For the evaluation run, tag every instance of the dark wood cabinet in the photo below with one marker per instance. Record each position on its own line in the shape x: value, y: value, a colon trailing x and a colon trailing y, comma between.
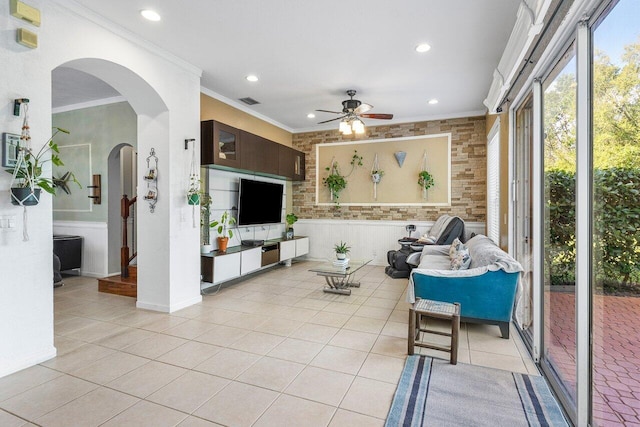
x: 290, y: 163
x: 220, y: 144
x: 224, y: 145
x: 258, y: 154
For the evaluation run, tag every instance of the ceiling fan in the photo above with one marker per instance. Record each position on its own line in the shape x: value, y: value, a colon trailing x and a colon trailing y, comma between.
x: 352, y: 111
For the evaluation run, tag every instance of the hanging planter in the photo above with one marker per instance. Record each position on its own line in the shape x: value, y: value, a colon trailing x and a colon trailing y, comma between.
x: 28, y: 178
x: 193, y: 199
x: 24, y: 196
x: 376, y: 176
x: 337, y: 182
x: 425, y: 179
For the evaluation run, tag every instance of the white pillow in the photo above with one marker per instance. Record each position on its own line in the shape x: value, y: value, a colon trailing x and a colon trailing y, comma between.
x: 462, y: 260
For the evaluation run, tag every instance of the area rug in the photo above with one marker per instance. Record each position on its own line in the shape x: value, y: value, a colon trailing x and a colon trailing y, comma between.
x: 433, y: 392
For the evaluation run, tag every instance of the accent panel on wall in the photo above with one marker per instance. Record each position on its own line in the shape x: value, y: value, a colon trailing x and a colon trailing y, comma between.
x: 77, y: 161
x: 399, y: 184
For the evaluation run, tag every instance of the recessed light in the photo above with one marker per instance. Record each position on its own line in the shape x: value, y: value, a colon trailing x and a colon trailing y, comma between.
x: 423, y: 47
x: 311, y: 116
x: 433, y: 101
x: 151, y: 15
x: 252, y: 78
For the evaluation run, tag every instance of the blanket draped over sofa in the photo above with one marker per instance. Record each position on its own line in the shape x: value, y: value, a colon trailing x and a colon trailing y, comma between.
x: 486, y: 290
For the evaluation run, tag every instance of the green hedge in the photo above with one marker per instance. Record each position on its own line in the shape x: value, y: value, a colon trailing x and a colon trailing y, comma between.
x: 616, y: 226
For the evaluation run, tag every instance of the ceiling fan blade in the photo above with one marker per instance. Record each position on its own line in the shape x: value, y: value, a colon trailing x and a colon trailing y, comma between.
x: 363, y: 108
x: 377, y: 116
x: 334, y: 112
x: 331, y: 120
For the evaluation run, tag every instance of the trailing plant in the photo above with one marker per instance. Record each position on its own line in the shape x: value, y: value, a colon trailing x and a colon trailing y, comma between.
x: 205, y: 215
x: 425, y: 180
x: 335, y: 181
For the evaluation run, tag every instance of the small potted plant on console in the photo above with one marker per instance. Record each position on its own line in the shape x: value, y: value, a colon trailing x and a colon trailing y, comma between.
x: 291, y: 219
x: 341, y: 250
x: 223, y: 227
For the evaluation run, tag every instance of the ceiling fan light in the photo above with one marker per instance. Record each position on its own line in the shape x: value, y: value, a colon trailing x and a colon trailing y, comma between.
x: 345, y: 129
x: 358, y: 127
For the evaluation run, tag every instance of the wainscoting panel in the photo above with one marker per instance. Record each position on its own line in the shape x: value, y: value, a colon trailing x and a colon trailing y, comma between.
x: 94, y: 245
x: 368, y: 239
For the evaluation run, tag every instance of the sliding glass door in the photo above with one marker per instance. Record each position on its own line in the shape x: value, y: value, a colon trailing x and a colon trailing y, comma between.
x: 523, y: 231
x: 559, y: 227
x: 616, y: 216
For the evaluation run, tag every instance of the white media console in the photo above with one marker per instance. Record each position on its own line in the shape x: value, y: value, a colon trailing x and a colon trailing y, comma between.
x: 218, y: 267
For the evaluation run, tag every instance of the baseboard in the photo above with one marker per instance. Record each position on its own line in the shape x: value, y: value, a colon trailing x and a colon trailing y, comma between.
x: 10, y: 367
x: 185, y: 304
x: 153, y: 307
x: 169, y: 309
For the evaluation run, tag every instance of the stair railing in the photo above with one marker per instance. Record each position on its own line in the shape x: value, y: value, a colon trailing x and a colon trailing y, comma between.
x: 125, y: 259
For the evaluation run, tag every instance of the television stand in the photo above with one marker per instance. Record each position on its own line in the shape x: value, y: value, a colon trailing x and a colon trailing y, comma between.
x: 253, y: 243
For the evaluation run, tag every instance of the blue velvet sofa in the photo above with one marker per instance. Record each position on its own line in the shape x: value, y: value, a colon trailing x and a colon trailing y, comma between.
x: 486, y: 290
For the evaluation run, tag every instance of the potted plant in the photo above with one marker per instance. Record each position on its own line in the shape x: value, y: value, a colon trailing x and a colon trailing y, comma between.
x: 337, y: 182
x: 425, y: 181
x: 291, y: 219
x: 205, y: 215
x: 223, y: 227
x: 28, y: 173
x: 193, y: 193
x: 376, y: 175
x: 341, y: 250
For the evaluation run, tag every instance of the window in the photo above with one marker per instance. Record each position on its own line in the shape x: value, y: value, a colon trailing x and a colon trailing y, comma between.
x: 493, y: 183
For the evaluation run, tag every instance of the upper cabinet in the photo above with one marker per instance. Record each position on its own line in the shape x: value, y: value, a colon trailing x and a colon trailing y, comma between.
x: 291, y: 163
x: 258, y: 154
x: 224, y: 145
x: 220, y: 144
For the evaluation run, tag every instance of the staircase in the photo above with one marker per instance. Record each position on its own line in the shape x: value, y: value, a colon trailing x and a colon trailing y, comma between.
x: 125, y: 283
x: 127, y: 286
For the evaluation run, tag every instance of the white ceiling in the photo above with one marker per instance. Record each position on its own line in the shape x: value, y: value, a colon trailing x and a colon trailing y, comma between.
x: 308, y: 53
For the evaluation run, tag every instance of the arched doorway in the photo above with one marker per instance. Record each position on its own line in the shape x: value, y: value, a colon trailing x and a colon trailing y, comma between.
x: 152, y: 132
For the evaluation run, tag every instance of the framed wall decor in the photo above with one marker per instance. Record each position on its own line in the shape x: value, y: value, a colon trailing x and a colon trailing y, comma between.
x: 10, y: 143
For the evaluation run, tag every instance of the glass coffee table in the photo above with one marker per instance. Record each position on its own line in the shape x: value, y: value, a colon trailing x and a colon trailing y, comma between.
x: 338, y: 278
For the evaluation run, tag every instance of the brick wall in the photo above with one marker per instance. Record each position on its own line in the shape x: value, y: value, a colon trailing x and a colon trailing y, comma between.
x: 468, y: 172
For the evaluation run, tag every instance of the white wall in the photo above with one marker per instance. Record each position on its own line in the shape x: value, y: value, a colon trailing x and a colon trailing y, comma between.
x: 165, y: 93
x: 368, y: 239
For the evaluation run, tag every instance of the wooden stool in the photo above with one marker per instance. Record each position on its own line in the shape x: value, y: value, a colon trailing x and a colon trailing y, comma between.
x: 438, y: 310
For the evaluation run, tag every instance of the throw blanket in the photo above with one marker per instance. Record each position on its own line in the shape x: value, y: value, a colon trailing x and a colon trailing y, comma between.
x: 433, y: 392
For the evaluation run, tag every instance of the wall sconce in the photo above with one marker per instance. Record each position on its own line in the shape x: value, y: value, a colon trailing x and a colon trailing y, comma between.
x: 96, y: 187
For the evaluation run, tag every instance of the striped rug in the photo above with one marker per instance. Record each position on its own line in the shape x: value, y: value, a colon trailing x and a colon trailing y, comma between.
x: 433, y: 392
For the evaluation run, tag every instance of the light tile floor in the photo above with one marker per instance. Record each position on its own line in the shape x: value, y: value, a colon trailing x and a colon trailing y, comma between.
x: 272, y: 350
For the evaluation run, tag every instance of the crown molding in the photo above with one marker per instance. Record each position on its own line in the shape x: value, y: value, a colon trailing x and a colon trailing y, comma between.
x: 237, y: 105
x: 85, y: 13
x: 88, y: 104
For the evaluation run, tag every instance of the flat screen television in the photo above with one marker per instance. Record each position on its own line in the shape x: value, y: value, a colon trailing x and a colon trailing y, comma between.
x: 259, y: 202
